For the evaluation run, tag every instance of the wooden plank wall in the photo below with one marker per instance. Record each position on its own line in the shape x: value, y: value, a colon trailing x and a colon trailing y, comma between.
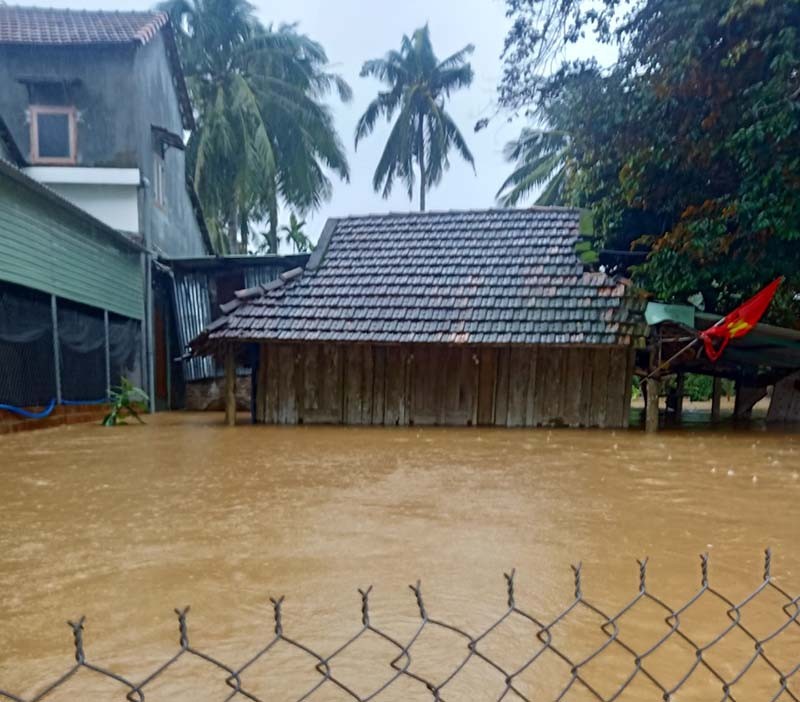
x: 444, y: 385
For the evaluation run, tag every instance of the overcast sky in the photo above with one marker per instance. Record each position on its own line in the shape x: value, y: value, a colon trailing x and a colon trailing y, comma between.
x: 355, y: 30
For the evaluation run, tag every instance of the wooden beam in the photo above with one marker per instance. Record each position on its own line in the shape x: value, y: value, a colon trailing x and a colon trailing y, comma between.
x: 230, y: 386
x: 716, y: 398
x: 651, y: 408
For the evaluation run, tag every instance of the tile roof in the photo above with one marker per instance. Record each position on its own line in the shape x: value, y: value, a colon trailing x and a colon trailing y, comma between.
x: 42, y: 25
x: 481, y: 277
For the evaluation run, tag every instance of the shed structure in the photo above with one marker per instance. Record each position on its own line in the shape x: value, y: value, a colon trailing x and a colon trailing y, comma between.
x: 451, y: 318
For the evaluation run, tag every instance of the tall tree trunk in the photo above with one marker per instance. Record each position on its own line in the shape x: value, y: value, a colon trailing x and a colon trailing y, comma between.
x: 421, y: 149
x: 273, y: 221
x: 233, y: 230
x: 244, y: 230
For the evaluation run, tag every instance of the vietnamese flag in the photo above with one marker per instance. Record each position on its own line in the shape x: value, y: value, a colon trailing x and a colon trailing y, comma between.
x: 739, y: 322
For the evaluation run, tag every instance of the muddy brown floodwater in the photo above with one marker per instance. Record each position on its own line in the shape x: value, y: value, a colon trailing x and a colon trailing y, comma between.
x: 124, y: 524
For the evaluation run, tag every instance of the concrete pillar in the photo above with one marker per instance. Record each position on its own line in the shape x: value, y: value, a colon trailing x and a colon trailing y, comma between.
x: 716, y: 399
x: 230, y: 386
x: 651, y: 408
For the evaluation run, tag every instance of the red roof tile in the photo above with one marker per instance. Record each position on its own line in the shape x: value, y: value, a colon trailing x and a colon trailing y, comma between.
x: 40, y: 25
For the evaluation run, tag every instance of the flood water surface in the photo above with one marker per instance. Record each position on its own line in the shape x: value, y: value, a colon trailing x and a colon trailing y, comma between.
x: 124, y: 524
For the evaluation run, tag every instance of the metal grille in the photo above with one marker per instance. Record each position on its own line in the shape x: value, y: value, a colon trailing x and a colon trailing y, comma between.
x: 27, y: 369
x: 766, y: 664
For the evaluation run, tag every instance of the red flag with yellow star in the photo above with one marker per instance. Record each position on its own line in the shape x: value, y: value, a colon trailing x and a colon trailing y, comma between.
x: 739, y: 322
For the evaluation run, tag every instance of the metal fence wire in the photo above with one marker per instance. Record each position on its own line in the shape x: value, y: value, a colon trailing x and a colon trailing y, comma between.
x: 772, y: 653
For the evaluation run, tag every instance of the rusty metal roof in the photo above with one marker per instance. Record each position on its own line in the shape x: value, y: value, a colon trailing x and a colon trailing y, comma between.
x: 475, y: 277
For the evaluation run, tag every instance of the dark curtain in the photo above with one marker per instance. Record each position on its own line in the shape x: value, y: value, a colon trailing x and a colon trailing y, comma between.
x: 27, y: 367
x: 82, y: 340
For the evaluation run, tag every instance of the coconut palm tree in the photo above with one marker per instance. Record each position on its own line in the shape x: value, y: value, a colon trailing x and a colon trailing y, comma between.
x: 418, y: 84
x: 541, y: 161
x: 295, y: 235
x: 263, y: 133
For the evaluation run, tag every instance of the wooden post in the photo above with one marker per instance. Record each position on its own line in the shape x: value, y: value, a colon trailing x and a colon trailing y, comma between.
x: 680, y: 386
x: 716, y: 397
x: 230, y: 386
x: 651, y: 409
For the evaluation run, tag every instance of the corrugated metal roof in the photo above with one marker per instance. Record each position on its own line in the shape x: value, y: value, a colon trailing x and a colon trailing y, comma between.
x: 193, y: 280
x: 480, y: 277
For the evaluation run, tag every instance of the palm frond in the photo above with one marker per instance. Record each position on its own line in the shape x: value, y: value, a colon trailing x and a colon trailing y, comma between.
x: 419, y: 85
x: 553, y: 194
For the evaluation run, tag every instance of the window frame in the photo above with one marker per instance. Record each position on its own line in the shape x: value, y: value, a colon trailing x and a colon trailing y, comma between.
x: 72, y: 121
x: 159, y: 178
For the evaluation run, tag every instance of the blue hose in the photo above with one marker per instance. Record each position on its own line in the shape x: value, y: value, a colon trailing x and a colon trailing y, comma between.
x: 46, y: 412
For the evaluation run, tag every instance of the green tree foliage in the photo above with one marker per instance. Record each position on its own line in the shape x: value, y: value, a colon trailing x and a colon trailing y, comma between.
x: 295, y: 235
x: 418, y: 84
x: 688, y: 147
x: 264, y: 133
x: 541, y: 158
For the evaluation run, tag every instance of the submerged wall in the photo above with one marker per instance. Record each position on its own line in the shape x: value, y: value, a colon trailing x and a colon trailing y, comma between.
x: 444, y: 385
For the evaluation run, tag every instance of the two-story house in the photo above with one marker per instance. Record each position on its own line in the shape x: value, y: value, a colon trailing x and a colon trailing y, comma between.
x: 98, y: 108
x: 97, y: 103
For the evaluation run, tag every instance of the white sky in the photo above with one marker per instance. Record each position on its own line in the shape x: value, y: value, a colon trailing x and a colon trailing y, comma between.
x: 353, y: 31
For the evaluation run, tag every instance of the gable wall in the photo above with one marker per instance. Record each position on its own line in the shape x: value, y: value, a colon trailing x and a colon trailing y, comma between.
x: 102, y: 86
x: 173, y: 228
x: 444, y: 385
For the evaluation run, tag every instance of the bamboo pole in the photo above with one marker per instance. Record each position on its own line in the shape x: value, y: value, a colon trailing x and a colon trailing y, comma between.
x: 230, y: 386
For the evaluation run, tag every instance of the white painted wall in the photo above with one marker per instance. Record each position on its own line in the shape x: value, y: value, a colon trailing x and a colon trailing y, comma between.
x: 116, y: 205
x: 110, y: 194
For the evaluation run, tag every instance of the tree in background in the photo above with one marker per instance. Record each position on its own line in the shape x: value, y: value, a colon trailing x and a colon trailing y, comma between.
x: 541, y: 163
x: 688, y: 147
x: 418, y: 84
x: 295, y: 235
x: 263, y: 133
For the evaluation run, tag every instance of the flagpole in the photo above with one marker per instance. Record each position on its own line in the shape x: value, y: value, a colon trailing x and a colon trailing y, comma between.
x: 666, y: 363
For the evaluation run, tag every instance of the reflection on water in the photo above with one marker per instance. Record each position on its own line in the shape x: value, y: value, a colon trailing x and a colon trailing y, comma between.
x: 124, y: 524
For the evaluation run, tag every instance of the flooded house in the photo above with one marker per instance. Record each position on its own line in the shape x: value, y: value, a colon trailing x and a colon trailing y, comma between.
x: 71, y: 302
x: 451, y: 318
x: 94, y: 114
x: 97, y: 105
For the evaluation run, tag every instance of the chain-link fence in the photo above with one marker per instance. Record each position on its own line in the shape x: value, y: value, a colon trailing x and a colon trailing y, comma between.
x: 614, y: 657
